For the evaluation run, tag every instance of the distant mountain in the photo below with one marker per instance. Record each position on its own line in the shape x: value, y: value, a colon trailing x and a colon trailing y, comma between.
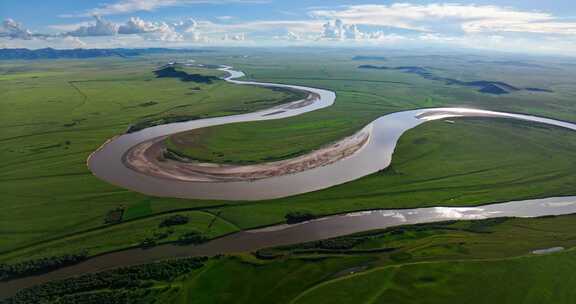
x: 510, y: 63
x: 483, y: 86
x: 49, y: 53
x: 369, y: 58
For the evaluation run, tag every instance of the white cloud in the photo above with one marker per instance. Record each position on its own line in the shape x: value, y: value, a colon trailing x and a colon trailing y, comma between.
x: 100, y: 28
x: 296, y: 26
x: 224, y: 18
x: 152, y: 31
x: 164, y: 32
x: 340, y: 31
x: 188, y: 25
x: 14, y: 30
x: 130, y: 6
x: 292, y: 36
x: 68, y: 27
x: 74, y: 42
x: 538, y: 27
x: 234, y: 37
x: 469, y: 17
x: 403, y: 24
x: 138, y: 26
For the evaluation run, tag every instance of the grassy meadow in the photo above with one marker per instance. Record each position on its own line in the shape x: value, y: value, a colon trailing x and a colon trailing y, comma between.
x: 56, y: 112
x: 364, y: 95
x: 487, y: 261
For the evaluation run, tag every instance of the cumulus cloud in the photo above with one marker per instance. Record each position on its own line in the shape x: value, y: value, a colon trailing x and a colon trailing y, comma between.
x: 333, y: 31
x: 185, y: 30
x: 292, y: 36
x: 100, y: 28
x: 442, y: 24
x: 296, y: 26
x: 14, y: 30
x: 74, y: 42
x: 153, y: 31
x: 160, y: 31
x: 468, y: 17
x: 137, y: 26
x: 234, y: 37
x: 189, y: 25
x: 338, y: 30
x: 164, y: 32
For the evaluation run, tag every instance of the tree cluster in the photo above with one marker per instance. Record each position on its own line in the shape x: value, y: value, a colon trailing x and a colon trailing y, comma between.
x: 36, y: 266
x: 294, y: 217
x: 174, y: 220
x: 124, y: 279
x: 193, y: 237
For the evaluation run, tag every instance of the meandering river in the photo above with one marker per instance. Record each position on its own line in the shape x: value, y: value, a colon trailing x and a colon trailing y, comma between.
x: 106, y: 163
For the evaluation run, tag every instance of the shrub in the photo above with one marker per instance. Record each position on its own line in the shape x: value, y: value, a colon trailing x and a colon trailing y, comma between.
x: 174, y: 220
x: 193, y: 237
x: 114, y: 216
x: 401, y: 256
x: 298, y: 216
x: 148, y: 242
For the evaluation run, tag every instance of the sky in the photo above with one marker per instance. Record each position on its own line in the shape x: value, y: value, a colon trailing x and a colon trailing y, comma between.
x: 525, y: 26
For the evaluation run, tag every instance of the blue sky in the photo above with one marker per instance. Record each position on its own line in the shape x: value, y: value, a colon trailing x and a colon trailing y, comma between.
x: 510, y: 25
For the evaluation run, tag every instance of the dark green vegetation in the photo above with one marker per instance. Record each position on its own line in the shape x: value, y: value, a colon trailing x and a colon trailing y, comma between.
x: 488, y: 261
x: 122, y: 285
x: 173, y: 220
x: 205, y: 76
x: 55, y: 113
x: 35, y: 266
x: 174, y: 72
x: 293, y: 217
x: 369, y: 58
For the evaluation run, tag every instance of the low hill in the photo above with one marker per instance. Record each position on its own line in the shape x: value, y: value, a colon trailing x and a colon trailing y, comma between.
x: 50, y: 53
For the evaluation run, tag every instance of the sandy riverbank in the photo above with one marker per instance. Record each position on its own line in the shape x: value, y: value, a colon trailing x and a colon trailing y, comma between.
x: 149, y: 158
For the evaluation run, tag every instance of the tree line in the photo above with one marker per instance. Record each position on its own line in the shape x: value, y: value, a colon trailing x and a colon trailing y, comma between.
x: 40, y: 265
x: 121, y: 281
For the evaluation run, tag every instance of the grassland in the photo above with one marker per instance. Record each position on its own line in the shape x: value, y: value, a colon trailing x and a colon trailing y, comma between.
x: 125, y: 235
x: 54, y: 113
x: 363, y: 95
x: 519, y: 280
x: 470, y: 162
x: 451, y: 262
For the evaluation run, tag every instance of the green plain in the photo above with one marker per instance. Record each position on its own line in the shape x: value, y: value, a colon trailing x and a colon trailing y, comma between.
x: 56, y: 112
